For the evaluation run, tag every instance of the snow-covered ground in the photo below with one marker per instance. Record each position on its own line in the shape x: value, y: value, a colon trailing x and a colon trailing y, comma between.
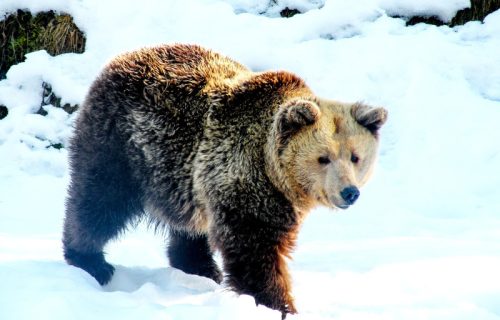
x: 422, y: 243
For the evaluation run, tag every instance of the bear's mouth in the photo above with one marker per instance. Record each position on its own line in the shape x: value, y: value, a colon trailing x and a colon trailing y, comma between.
x: 330, y: 202
x: 342, y: 206
x: 337, y: 204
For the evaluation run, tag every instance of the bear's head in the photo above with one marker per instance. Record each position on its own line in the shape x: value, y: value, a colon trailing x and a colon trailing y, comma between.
x: 321, y: 152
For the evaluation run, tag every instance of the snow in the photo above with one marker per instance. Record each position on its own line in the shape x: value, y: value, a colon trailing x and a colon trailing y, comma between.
x: 445, y: 10
x: 423, y: 242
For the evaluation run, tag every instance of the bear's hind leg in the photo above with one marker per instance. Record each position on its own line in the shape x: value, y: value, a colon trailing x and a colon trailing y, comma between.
x: 192, y: 254
x: 102, y: 199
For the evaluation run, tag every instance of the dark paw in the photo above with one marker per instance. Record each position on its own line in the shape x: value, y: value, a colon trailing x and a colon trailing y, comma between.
x: 287, y: 309
x: 272, y: 301
x: 93, y: 263
x: 213, y: 273
x: 103, y: 273
x: 209, y: 270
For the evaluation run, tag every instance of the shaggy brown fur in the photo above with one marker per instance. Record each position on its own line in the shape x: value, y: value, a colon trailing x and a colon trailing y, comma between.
x: 227, y: 159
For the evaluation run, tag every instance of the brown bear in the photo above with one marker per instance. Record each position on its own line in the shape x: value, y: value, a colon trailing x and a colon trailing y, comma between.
x: 225, y: 158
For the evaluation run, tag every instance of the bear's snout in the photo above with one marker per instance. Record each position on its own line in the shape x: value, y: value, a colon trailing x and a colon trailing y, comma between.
x: 350, y: 194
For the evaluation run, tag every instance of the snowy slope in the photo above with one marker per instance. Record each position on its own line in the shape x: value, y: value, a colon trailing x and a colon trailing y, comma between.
x: 423, y: 242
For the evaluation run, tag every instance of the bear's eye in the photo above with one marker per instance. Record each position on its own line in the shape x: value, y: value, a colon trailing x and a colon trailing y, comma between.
x: 324, y: 160
x: 354, y: 158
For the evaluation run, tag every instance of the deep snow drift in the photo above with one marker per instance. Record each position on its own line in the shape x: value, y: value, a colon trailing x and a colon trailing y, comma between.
x: 422, y: 243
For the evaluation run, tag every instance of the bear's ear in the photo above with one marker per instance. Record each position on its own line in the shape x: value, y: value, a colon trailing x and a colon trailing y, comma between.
x: 295, y: 114
x: 370, y: 118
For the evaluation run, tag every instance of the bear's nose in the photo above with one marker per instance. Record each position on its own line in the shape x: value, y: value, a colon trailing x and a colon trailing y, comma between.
x: 350, y: 194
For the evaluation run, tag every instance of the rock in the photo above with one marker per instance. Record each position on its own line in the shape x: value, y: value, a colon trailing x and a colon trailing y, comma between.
x: 21, y: 33
x: 3, y: 112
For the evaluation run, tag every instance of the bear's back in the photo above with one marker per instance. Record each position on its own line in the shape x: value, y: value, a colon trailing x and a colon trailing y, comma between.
x: 171, y: 72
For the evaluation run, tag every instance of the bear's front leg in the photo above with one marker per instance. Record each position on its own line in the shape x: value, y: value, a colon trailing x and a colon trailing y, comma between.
x: 254, y: 260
